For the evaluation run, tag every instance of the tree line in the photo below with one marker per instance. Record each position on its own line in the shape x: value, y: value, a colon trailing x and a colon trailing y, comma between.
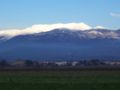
x: 31, y: 63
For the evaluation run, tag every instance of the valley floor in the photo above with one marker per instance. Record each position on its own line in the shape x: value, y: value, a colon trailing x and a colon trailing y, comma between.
x: 60, y: 80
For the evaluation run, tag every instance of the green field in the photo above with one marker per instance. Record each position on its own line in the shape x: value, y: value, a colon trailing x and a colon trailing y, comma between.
x: 60, y: 80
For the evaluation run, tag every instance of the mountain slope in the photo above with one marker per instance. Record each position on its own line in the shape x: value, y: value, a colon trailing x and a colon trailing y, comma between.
x: 63, y: 44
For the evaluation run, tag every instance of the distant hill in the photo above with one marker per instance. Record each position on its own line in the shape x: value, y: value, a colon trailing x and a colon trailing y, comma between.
x: 63, y: 44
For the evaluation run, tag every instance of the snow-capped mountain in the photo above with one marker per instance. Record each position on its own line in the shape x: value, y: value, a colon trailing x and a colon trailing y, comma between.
x: 63, y: 44
x: 68, y: 33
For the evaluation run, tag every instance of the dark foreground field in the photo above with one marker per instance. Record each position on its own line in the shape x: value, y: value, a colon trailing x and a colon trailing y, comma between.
x: 60, y: 80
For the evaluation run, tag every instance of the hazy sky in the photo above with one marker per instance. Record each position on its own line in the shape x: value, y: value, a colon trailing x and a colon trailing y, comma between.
x: 24, y: 13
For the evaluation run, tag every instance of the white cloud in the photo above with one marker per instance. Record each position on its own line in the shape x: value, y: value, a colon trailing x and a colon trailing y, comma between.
x: 100, y: 27
x: 44, y: 28
x: 115, y: 14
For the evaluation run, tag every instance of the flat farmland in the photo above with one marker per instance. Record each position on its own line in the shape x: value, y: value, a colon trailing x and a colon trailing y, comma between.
x: 60, y: 80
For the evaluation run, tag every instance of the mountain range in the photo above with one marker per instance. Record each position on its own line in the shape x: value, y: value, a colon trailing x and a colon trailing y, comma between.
x: 62, y: 44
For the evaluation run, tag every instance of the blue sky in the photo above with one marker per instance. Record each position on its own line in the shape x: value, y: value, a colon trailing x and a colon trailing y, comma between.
x: 24, y: 13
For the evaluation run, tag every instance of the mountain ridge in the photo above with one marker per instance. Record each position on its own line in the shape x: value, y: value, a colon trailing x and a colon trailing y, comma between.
x: 63, y: 44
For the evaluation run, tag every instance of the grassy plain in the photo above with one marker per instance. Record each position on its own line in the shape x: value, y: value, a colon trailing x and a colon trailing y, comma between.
x: 60, y: 80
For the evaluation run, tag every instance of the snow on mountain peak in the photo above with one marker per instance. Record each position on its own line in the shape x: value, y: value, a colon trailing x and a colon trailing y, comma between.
x: 91, y: 32
x: 44, y: 28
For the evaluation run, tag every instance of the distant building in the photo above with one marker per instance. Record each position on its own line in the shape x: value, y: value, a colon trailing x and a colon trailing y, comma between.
x: 112, y: 62
x: 74, y: 63
x: 18, y: 63
x: 61, y: 63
